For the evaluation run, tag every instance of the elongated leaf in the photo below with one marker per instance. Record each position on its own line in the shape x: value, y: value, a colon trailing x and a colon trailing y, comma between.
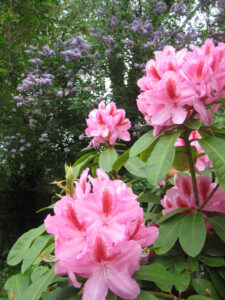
x: 145, y: 154
x: 135, y: 166
x: 142, y: 143
x: 77, y: 168
x: 184, y: 281
x: 192, y: 233
x: 200, y: 286
x: 179, y: 264
x: 193, y: 124
x: 35, y: 290
x: 217, y: 282
x: 214, y: 246
x: 38, y: 272
x: 171, y: 214
x: 19, y: 249
x: 161, y: 158
x: 192, y: 263
x: 146, y: 296
x: 213, y: 261
x: 83, y: 158
x: 181, y: 162
x: 121, y: 160
x: 214, y: 148
x: 149, y: 197
x: 66, y: 293
x: 107, y: 159
x: 17, y: 283
x: 198, y: 297
x: 156, y: 273
x: 168, y: 234
x: 218, y: 224
x: 34, y: 251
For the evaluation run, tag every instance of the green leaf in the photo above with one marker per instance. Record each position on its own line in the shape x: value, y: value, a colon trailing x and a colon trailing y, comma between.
x: 121, y: 160
x: 192, y: 233
x: 107, y: 159
x: 35, y: 290
x: 217, y: 282
x: 17, y: 283
x: 146, y: 296
x: 83, y: 158
x: 135, y: 166
x: 142, y: 143
x: 38, y: 272
x: 193, y: 124
x: 171, y: 214
x: 218, y: 224
x: 167, y: 261
x: 150, y: 216
x: 17, y: 252
x: 111, y: 296
x: 149, y: 197
x: 221, y: 272
x: 213, y: 261
x: 184, y: 281
x: 181, y: 162
x: 168, y: 234
x: 200, y: 286
x: 179, y: 264
x: 44, y: 208
x: 214, y: 246
x: 192, y: 263
x: 36, y: 248
x: 198, y: 297
x: 145, y: 154
x: 161, y: 158
x: 214, y: 148
x: 78, y: 168
x: 156, y: 273
x: 45, y: 253
x: 67, y: 293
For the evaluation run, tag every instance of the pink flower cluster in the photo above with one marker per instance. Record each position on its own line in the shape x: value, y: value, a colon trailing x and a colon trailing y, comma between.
x: 107, y: 124
x: 100, y: 235
x: 179, y: 85
x: 203, y: 161
x: 182, y: 195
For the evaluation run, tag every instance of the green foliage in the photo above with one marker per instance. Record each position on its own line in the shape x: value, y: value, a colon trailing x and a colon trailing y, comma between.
x: 107, y: 158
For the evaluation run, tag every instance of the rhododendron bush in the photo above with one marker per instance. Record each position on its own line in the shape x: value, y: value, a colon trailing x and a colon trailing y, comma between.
x: 104, y: 241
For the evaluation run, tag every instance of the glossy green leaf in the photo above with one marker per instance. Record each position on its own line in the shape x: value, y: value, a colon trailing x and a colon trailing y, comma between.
x: 45, y: 253
x: 161, y: 158
x: 83, y: 158
x: 184, y: 281
x: 201, y: 285
x: 17, y: 252
x: 146, y: 296
x: 171, y: 214
x: 38, y: 272
x: 192, y: 263
x: 167, y: 261
x: 17, y: 283
x: 107, y: 159
x: 35, y: 290
x: 198, y: 297
x: 156, y: 273
x: 192, y: 233
x: 135, y: 166
x: 218, y: 224
x: 36, y: 248
x: 214, y: 246
x: 213, y: 261
x: 179, y: 264
x: 149, y: 197
x: 217, y: 281
x: 142, y: 143
x: 79, y: 167
x: 145, y: 154
x: 181, y: 162
x: 214, y: 148
x: 193, y: 124
x: 168, y: 234
x: 66, y: 293
x: 121, y: 160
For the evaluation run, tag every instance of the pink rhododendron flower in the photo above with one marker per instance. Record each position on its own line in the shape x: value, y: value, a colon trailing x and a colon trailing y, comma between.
x: 99, y: 235
x: 182, y: 195
x: 107, y: 124
x: 180, y: 84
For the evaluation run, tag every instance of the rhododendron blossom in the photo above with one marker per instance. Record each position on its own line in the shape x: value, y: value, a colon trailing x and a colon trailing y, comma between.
x: 182, y: 195
x: 107, y: 124
x: 100, y: 235
x: 179, y: 85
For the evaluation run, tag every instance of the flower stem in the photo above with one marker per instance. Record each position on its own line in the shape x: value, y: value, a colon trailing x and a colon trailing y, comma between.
x: 209, y: 197
x: 192, y: 168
